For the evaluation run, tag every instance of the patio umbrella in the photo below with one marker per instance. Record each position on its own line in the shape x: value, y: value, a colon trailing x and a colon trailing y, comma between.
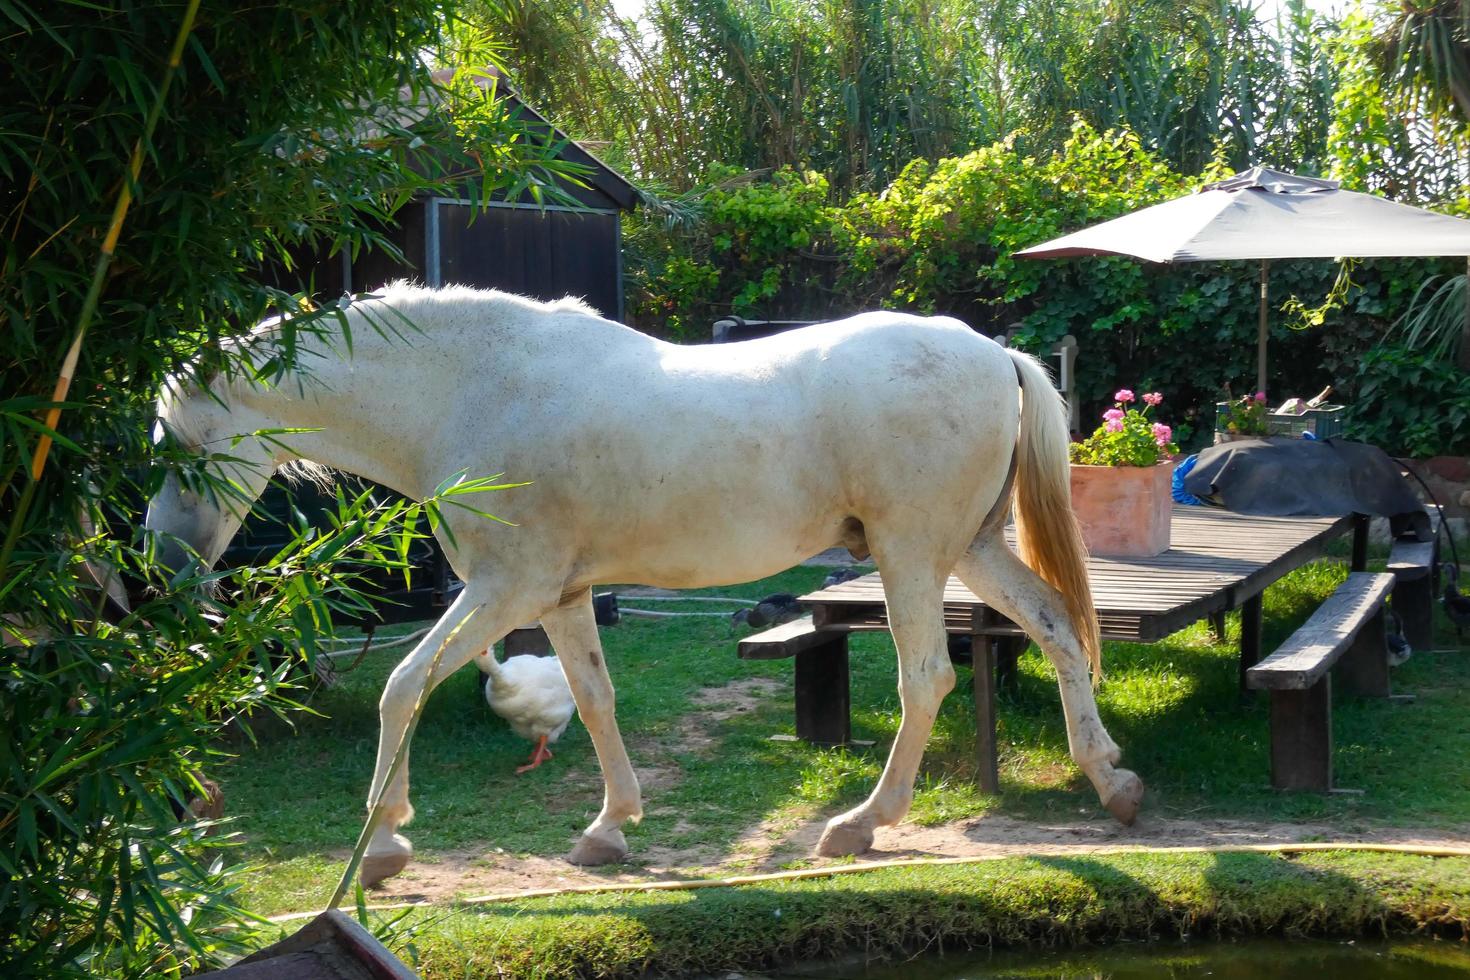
x: 1266, y: 214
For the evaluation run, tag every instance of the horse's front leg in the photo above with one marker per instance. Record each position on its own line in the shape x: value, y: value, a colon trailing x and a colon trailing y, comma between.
x: 925, y: 676
x: 473, y: 622
x: 572, y: 630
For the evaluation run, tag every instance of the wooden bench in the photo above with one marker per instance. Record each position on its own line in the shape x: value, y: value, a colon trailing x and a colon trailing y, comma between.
x: 823, y: 696
x: 1346, y: 632
x: 1414, y: 564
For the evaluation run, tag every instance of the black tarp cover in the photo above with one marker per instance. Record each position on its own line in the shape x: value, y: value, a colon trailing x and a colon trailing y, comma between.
x: 1303, y: 478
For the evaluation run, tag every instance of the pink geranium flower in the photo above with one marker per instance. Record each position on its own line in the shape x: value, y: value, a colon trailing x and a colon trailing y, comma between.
x: 1120, y: 439
x: 1261, y: 397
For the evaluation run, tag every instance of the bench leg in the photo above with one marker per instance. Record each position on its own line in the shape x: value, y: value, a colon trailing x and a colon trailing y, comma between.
x: 1301, y: 737
x: 823, y: 697
x: 1217, y: 626
x: 1360, y: 542
x: 1008, y: 650
x: 1250, y: 637
x: 1413, y: 603
x: 1363, y: 667
x: 987, y: 768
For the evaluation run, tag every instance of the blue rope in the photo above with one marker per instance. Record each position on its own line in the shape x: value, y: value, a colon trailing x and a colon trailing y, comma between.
x: 1177, y: 490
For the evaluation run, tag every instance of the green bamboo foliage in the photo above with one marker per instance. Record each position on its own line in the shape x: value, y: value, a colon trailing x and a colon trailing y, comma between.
x: 1435, y: 321
x: 1424, y: 49
x: 289, y: 129
x: 857, y: 88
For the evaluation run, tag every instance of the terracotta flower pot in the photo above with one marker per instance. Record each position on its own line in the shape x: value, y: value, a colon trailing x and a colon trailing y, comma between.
x: 1124, y: 510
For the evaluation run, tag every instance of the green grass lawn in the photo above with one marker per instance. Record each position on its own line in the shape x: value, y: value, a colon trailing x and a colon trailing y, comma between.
x: 1174, y: 708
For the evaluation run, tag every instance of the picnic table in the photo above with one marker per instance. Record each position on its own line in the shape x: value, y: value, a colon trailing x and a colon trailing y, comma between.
x: 1217, y: 561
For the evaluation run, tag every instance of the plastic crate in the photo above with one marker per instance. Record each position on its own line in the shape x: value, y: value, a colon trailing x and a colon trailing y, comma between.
x: 1324, y: 421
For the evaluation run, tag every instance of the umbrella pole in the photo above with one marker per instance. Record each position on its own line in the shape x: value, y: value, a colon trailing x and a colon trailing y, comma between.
x: 1261, y: 332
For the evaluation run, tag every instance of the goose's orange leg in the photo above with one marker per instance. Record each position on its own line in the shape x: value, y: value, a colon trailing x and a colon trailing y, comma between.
x: 539, y: 755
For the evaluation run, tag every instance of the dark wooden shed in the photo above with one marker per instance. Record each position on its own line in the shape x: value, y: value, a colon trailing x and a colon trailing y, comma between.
x: 545, y: 251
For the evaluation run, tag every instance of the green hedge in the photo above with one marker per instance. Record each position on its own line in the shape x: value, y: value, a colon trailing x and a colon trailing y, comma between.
x: 939, y: 239
x: 1411, y: 404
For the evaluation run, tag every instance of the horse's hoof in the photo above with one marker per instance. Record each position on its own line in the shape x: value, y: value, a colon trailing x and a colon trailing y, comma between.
x: 1124, y: 802
x: 593, y: 851
x: 843, y: 839
x: 376, y: 867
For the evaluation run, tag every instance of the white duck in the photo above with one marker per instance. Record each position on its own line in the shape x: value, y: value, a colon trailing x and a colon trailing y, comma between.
x: 532, y: 694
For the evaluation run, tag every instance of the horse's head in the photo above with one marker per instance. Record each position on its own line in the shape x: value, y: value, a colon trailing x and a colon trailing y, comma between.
x: 202, y: 514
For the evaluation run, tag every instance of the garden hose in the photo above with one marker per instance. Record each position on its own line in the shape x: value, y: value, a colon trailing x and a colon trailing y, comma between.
x: 347, y: 647
x: 1416, y: 850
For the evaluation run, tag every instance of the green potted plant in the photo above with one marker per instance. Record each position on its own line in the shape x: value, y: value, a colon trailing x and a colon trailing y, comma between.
x: 1242, y: 418
x: 1121, y: 479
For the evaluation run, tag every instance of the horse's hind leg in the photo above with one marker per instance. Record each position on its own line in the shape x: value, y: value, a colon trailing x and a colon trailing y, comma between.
x: 993, y: 572
x: 472, y: 623
x: 925, y: 676
x: 572, y: 630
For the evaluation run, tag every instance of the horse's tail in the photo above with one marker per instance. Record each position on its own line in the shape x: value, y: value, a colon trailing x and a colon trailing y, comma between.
x: 1047, y: 536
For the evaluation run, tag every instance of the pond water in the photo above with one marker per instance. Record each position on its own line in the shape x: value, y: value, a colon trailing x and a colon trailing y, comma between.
x: 1249, y: 960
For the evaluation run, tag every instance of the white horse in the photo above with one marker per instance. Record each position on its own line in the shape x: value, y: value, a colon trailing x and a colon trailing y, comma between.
x: 682, y: 467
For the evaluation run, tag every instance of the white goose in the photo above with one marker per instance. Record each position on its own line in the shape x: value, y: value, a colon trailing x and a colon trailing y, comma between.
x: 532, y: 694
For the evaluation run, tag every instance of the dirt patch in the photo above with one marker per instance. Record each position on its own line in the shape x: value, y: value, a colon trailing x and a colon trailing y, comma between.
x: 441, y: 876
x: 788, y: 841
x: 697, y: 732
x: 997, y: 836
x: 729, y: 700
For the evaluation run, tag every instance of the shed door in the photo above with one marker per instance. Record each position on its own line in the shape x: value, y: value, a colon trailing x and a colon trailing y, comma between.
x: 544, y: 254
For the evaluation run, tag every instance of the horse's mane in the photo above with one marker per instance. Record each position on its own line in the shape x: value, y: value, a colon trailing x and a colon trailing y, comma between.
x: 405, y: 292
x: 173, y: 414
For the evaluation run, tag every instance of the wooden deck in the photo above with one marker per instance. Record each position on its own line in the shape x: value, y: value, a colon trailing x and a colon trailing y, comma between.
x: 1217, y: 561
